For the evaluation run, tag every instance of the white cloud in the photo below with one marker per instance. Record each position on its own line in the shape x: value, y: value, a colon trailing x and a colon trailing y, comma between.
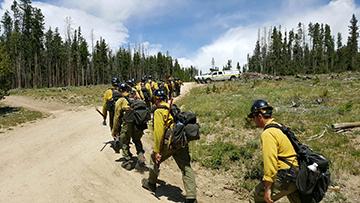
x: 99, y: 18
x: 120, y: 10
x: 184, y: 62
x: 237, y: 42
x: 114, y: 33
x: 148, y: 48
x: 233, y: 45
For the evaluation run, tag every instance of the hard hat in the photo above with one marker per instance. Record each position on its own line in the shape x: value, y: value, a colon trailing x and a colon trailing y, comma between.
x: 115, y: 81
x: 130, y: 82
x: 123, y: 87
x: 260, y: 106
x: 160, y: 94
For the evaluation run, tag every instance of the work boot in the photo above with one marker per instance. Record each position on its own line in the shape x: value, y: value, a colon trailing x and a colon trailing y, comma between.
x: 127, y: 164
x: 115, y: 145
x: 190, y: 201
x: 140, y: 164
x: 141, y: 157
x: 147, y: 185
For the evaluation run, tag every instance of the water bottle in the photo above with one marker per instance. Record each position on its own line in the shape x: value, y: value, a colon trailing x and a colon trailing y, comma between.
x: 313, y: 167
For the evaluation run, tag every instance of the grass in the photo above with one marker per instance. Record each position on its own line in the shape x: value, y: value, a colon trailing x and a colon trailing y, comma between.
x: 12, y: 116
x: 230, y: 142
x: 82, y: 96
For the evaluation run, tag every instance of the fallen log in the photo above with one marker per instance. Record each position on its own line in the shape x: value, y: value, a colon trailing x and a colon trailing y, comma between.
x: 338, y: 126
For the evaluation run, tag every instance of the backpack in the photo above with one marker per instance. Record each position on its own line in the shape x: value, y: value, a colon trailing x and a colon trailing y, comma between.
x: 184, y: 130
x: 139, y: 114
x: 146, y: 94
x: 110, y: 104
x: 313, y: 178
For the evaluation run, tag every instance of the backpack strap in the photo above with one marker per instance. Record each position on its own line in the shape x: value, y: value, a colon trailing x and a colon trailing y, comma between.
x: 273, y: 125
x: 128, y: 100
x: 162, y: 107
x: 284, y: 159
x: 281, y: 127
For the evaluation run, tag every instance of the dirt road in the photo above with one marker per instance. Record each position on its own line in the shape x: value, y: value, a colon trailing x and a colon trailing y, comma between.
x: 57, y: 159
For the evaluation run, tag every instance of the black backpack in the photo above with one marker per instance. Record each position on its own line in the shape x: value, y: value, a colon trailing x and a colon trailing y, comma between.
x: 139, y: 114
x: 312, y: 184
x: 184, y: 130
x: 146, y: 94
x: 110, y: 105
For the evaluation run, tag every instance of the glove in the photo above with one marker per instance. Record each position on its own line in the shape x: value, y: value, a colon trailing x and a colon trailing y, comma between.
x: 104, y: 122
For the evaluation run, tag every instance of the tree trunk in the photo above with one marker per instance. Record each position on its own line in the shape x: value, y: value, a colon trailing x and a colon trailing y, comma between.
x: 36, y: 72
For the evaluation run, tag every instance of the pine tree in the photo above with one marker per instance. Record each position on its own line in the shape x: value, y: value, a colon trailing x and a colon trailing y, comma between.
x: 84, y: 60
x: 340, y: 59
x: 298, y: 52
x: 228, y: 66
x: 329, y: 50
x: 352, y: 44
x: 37, y: 45
x: 275, y: 61
x: 238, y: 66
x: 5, y: 72
x: 255, y: 61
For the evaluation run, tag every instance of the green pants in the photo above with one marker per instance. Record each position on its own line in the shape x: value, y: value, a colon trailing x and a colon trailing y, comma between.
x: 279, y: 189
x: 111, y: 119
x: 129, y: 131
x: 182, y: 159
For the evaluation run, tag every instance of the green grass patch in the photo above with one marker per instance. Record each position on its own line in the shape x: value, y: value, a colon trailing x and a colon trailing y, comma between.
x: 86, y: 95
x: 12, y: 116
x: 309, y: 107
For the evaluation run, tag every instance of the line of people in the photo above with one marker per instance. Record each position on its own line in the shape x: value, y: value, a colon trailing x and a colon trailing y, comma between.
x: 119, y: 102
x: 279, y: 156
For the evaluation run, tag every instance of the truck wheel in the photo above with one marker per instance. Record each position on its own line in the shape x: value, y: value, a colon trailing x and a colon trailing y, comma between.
x: 208, y: 80
x: 233, y: 78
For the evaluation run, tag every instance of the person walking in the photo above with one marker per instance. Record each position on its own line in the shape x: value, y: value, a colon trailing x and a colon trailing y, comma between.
x: 125, y: 129
x: 163, y: 120
x: 279, y: 158
x: 110, y: 97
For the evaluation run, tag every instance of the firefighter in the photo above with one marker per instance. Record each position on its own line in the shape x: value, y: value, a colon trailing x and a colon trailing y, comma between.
x: 125, y: 129
x: 110, y: 97
x: 162, y: 120
x: 278, y: 154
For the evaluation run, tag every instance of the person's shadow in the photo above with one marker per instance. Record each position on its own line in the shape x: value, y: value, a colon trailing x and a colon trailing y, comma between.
x: 173, y: 193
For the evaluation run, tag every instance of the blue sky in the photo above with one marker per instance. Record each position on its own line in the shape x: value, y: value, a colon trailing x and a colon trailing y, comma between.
x: 193, y: 31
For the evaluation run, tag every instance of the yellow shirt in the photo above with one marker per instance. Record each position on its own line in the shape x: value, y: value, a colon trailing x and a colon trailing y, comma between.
x: 107, y: 97
x: 162, y: 119
x: 275, y: 144
x: 121, y: 106
x: 138, y: 90
x: 154, y: 85
x: 167, y: 88
x: 148, y: 87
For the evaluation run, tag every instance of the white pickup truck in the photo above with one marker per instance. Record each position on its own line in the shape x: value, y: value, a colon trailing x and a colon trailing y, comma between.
x: 198, y: 78
x: 219, y: 76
